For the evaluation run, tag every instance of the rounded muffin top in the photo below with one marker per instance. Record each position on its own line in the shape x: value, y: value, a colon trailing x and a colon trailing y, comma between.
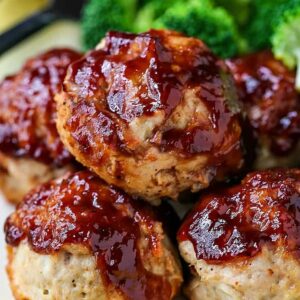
x: 267, y: 89
x: 236, y: 222
x: 148, y: 77
x: 28, y: 110
x: 123, y: 234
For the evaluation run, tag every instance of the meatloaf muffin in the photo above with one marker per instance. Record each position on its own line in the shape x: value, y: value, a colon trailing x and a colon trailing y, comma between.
x: 243, y: 242
x: 154, y: 113
x: 79, y: 238
x: 30, y: 149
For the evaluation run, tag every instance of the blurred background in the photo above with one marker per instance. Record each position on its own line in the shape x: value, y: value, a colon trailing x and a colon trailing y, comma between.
x: 15, y: 11
x: 28, y: 27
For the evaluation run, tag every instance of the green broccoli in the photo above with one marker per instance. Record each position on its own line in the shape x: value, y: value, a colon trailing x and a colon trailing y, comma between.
x: 150, y: 12
x: 264, y: 17
x: 142, y: 3
x: 100, y: 16
x: 238, y: 9
x: 200, y: 19
x: 286, y: 41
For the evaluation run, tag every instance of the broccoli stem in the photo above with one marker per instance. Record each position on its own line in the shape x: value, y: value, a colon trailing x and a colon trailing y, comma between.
x: 297, y: 53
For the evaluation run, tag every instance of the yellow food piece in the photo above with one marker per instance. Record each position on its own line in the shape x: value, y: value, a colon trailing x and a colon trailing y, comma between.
x: 14, y: 11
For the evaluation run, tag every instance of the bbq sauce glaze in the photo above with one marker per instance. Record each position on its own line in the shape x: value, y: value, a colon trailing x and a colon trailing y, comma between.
x: 28, y: 110
x: 82, y: 209
x: 136, y: 75
x: 267, y: 89
x: 237, y: 222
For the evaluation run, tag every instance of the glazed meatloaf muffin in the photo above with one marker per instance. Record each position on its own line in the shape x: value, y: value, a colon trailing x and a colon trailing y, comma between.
x: 154, y: 114
x: 242, y: 243
x: 267, y: 90
x: 30, y: 149
x: 78, y: 238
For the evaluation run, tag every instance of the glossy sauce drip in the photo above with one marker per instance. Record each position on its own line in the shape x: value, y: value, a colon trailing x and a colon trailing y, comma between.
x: 134, y: 72
x: 267, y: 89
x: 136, y: 75
x: 237, y: 222
x: 83, y: 210
x: 27, y: 116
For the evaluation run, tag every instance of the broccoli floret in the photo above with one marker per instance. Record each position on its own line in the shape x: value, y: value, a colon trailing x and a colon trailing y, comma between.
x: 286, y: 41
x: 142, y: 3
x: 264, y: 17
x: 150, y: 12
x: 100, y: 16
x: 200, y: 19
x: 153, y: 9
x: 238, y: 9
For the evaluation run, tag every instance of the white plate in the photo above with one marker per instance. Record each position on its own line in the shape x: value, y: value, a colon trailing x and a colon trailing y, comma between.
x: 5, y: 210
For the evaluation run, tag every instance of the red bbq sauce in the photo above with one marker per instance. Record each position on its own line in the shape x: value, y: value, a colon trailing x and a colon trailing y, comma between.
x: 28, y: 110
x: 136, y: 75
x: 82, y: 209
x: 237, y: 222
x: 267, y: 89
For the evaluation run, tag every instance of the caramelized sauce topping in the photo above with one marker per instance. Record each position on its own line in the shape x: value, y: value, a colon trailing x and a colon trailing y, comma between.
x: 236, y: 222
x: 27, y: 116
x: 82, y: 209
x: 136, y: 75
x: 267, y: 89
